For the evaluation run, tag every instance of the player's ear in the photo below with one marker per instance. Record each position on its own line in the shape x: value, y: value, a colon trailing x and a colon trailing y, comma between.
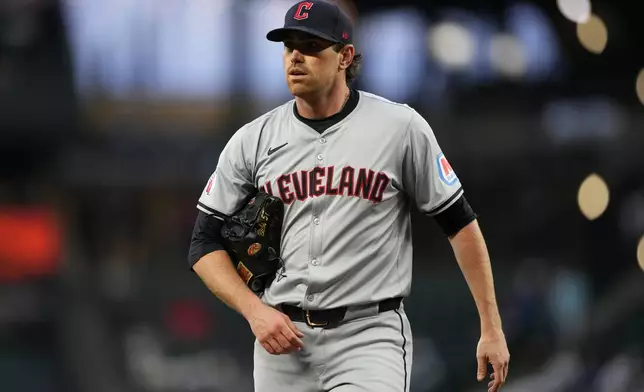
x: 346, y: 56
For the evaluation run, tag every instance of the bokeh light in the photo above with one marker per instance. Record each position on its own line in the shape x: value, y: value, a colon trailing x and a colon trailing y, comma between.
x: 404, y: 30
x: 639, y: 86
x: 508, y: 55
x: 593, y: 34
x: 593, y: 196
x: 640, y: 253
x: 452, y: 45
x: 577, y: 11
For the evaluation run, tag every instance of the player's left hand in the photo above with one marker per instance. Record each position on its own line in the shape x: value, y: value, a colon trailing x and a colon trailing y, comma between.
x: 493, y: 349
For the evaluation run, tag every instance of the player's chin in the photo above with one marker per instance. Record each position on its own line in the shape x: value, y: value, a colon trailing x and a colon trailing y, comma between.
x: 298, y: 89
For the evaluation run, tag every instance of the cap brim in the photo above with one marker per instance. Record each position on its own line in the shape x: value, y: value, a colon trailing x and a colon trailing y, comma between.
x: 278, y: 35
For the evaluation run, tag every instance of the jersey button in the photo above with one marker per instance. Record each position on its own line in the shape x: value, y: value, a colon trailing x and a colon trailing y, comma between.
x: 320, y: 157
x: 316, y: 221
x: 322, y: 140
x: 315, y: 262
x: 310, y: 297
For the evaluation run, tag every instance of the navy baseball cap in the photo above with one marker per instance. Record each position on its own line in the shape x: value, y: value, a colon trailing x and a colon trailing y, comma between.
x: 320, y: 18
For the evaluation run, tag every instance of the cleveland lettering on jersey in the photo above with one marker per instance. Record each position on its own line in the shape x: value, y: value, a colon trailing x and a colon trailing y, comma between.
x: 321, y: 180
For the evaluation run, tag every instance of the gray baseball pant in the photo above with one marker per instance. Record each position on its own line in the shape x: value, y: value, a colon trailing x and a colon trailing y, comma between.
x: 372, y: 352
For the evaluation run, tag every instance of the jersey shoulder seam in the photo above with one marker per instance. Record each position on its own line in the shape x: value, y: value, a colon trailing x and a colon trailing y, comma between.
x: 405, y: 106
x: 266, y: 115
x: 256, y: 128
x: 404, y: 143
x: 385, y: 100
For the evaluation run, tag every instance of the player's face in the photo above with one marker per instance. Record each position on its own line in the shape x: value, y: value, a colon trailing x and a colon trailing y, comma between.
x: 310, y: 63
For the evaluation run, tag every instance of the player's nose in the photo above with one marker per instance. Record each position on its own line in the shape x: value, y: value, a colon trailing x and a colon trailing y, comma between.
x: 296, y: 56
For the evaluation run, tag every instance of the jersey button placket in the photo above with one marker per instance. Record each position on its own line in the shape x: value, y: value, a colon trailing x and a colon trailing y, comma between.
x: 316, y: 221
x: 320, y: 151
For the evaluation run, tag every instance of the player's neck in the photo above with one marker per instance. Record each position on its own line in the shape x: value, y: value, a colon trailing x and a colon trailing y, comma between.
x: 324, y: 105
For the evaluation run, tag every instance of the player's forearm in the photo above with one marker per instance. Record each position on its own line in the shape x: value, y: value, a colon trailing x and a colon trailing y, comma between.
x: 472, y: 256
x: 218, y: 273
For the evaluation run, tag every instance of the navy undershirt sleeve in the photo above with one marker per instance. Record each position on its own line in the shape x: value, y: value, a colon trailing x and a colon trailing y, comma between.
x: 456, y: 217
x: 206, y: 237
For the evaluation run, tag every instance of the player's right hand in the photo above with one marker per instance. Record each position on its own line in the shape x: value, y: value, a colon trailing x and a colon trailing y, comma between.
x: 275, y: 331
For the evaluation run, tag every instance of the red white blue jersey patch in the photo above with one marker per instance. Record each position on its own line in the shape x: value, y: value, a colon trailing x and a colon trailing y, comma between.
x: 445, y: 171
x: 210, y: 183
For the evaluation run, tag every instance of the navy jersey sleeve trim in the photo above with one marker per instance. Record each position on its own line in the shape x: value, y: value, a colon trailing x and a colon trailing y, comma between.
x: 211, y: 211
x: 206, y: 237
x: 456, y: 217
x: 446, y: 203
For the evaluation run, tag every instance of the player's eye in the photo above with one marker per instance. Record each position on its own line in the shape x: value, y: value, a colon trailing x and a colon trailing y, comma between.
x: 307, y: 47
x: 312, y: 46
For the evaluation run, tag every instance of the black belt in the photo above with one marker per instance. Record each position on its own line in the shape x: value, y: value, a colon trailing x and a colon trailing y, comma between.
x: 331, y: 318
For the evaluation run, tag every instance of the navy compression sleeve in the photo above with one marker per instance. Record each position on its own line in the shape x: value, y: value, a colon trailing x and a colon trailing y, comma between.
x: 456, y: 217
x: 206, y: 237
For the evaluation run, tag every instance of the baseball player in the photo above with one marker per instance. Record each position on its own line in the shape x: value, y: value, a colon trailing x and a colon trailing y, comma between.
x: 348, y: 166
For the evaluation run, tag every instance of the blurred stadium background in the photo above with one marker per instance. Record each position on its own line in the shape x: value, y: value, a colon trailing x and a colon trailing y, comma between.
x: 112, y: 117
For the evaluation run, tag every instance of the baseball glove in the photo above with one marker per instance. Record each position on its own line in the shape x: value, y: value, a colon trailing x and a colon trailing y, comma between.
x: 252, y: 238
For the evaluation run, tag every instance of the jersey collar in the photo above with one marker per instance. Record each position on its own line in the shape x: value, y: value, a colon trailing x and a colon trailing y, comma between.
x: 323, y: 124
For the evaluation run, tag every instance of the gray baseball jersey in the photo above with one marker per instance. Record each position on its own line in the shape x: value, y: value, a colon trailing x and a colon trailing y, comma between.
x: 347, y: 191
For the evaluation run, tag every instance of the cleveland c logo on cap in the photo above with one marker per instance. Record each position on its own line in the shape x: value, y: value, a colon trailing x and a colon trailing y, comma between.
x: 299, y: 14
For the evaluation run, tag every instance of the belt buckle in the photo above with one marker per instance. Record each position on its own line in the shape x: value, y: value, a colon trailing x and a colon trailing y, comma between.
x: 312, y: 324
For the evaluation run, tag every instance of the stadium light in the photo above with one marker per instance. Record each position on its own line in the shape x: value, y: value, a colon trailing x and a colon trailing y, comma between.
x: 577, y: 11
x: 593, y: 196
x: 508, y: 56
x: 593, y: 34
x: 640, y: 253
x: 639, y: 86
x: 452, y: 45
